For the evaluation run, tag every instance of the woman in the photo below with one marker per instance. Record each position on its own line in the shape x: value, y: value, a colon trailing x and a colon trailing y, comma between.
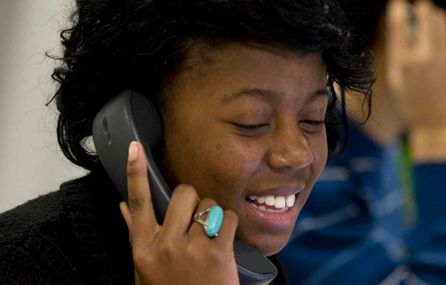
x: 245, y: 93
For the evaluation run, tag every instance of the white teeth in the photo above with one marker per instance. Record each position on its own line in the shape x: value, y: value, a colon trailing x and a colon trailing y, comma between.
x: 290, y: 201
x: 270, y: 201
x: 279, y: 202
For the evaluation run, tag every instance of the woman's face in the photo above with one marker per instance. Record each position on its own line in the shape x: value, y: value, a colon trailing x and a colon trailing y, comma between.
x: 244, y: 126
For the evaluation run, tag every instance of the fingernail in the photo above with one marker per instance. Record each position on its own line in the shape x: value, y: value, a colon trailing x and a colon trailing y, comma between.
x: 123, y: 207
x: 133, y: 151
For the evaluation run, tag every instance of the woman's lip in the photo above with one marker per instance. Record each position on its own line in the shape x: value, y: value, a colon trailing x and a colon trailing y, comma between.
x: 272, y: 221
x: 280, y: 191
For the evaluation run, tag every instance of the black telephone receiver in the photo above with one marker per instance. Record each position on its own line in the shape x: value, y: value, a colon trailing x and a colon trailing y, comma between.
x: 132, y: 117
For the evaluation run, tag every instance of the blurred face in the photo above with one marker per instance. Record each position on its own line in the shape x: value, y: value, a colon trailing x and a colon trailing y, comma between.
x: 245, y: 126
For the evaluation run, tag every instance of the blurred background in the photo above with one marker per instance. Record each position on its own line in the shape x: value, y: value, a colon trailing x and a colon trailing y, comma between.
x: 30, y: 160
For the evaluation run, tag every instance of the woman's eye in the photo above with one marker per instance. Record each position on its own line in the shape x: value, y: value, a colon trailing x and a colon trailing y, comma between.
x: 312, y: 126
x: 250, y: 129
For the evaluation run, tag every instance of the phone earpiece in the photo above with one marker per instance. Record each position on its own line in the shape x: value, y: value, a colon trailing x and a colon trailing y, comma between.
x: 130, y: 117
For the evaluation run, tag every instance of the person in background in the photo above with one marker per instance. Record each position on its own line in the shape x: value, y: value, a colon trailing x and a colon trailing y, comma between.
x: 352, y: 229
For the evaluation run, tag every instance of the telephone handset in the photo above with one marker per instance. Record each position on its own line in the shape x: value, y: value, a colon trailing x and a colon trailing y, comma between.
x: 130, y: 116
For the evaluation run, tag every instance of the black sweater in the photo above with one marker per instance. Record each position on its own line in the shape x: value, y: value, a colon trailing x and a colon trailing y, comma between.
x: 72, y: 236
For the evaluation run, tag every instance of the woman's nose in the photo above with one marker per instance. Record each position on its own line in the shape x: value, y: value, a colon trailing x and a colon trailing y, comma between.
x: 289, y: 150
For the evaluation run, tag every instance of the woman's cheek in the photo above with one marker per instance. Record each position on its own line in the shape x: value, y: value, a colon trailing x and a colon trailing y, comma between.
x: 320, y: 153
x: 233, y: 167
x: 239, y: 159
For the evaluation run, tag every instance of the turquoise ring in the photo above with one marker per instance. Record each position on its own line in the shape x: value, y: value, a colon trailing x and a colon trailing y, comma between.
x: 211, y: 220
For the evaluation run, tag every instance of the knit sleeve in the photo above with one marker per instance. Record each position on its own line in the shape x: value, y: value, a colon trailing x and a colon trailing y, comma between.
x: 20, y: 266
x: 35, y: 244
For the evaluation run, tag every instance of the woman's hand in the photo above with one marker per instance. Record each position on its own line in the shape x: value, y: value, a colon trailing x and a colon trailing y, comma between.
x: 177, y: 252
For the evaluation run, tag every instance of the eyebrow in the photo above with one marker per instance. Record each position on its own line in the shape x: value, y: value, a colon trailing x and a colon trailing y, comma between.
x: 265, y: 94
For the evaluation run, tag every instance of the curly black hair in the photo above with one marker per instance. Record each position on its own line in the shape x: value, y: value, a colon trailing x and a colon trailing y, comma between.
x: 365, y: 18
x: 113, y: 45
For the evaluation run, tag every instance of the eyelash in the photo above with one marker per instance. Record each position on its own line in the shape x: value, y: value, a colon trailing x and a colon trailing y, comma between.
x: 258, y: 126
x: 250, y: 127
x: 313, y: 126
x: 313, y: 122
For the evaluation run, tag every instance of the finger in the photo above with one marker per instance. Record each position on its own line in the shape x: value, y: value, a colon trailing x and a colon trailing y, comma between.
x: 196, y: 230
x: 397, y: 28
x: 424, y: 35
x: 143, y: 221
x: 432, y: 31
x: 137, y: 279
x: 439, y: 22
x: 397, y: 19
x: 398, y: 48
x: 182, y: 205
x: 125, y: 212
x: 228, y: 229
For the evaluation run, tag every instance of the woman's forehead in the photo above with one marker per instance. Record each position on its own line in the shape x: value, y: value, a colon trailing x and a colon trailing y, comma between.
x: 204, y: 59
x: 234, y: 68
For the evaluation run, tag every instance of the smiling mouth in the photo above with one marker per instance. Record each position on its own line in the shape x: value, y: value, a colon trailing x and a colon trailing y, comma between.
x: 271, y: 203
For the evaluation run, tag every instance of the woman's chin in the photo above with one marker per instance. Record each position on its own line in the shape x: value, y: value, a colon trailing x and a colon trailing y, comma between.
x: 271, y: 250
x: 267, y: 245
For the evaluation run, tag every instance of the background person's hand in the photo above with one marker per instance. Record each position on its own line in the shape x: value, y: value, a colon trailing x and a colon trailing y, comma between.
x: 177, y: 252
x: 417, y: 69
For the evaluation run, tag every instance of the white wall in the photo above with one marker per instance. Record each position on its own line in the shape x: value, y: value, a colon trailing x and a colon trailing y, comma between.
x: 30, y: 160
